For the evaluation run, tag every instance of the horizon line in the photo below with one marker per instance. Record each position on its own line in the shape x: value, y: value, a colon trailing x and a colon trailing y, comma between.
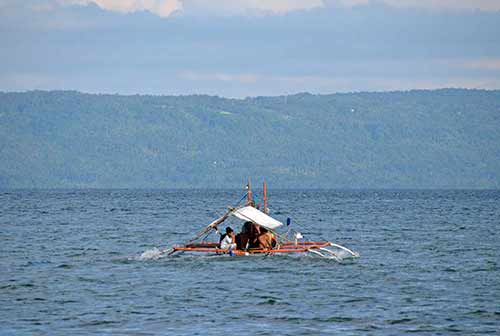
x: 242, y: 98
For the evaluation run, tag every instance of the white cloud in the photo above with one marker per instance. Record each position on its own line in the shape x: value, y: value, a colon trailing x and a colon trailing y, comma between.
x: 487, y: 5
x: 281, y: 6
x: 222, y: 7
x: 165, y: 8
x: 159, y: 7
x: 238, y: 7
x: 490, y: 5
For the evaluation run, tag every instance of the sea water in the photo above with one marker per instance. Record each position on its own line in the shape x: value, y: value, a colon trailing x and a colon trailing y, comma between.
x: 80, y: 262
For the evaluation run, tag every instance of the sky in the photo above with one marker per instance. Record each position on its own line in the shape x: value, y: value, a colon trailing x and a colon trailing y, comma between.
x: 239, y: 48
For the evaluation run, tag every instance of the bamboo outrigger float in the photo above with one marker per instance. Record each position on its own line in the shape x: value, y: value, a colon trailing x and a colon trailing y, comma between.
x: 250, y: 213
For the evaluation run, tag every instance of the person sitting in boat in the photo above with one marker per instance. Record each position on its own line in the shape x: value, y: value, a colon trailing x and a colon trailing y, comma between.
x: 252, y: 231
x: 227, y: 240
x: 243, y: 237
x: 266, y: 239
x: 241, y: 240
x: 248, y: 237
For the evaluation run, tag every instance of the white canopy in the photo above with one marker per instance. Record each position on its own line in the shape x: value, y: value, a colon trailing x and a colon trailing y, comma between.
x: 251, y: 214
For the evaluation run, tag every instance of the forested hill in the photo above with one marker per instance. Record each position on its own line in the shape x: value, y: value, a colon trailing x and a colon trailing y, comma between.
x: 446, y: 138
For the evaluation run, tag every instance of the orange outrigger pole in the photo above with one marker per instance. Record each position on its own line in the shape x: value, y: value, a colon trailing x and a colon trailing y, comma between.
x: 288, y: 247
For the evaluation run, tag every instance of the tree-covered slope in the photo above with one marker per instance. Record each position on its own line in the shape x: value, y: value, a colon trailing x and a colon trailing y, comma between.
x: 418, y: 139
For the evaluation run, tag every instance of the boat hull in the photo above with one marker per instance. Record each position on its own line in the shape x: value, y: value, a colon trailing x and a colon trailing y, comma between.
x: 299, y: 247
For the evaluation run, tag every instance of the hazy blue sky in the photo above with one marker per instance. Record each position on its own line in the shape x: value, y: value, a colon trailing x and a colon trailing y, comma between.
x: 248, y: 47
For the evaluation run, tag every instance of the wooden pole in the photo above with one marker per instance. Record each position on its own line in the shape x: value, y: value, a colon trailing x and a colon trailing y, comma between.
x: 211, y: 226
x: 264, y: 188
x: 249, y: 193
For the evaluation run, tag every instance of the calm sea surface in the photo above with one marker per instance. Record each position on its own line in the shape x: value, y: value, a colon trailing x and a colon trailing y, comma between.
x: 79, y: 262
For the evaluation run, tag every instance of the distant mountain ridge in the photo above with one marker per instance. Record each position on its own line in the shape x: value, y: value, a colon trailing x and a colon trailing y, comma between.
x: 448, y: 138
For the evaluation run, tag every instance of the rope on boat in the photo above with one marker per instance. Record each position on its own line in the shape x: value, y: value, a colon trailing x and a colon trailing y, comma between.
x: 210, y: 226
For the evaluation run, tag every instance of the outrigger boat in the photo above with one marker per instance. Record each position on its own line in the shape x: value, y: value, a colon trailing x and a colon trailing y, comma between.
x: 249, y: 212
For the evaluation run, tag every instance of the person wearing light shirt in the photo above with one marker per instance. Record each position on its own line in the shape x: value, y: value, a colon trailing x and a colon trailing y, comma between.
x: 227, y: 240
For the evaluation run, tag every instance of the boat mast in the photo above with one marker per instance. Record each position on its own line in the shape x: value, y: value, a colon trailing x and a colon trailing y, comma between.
x: 249, y: 193
x: 264, y: 191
